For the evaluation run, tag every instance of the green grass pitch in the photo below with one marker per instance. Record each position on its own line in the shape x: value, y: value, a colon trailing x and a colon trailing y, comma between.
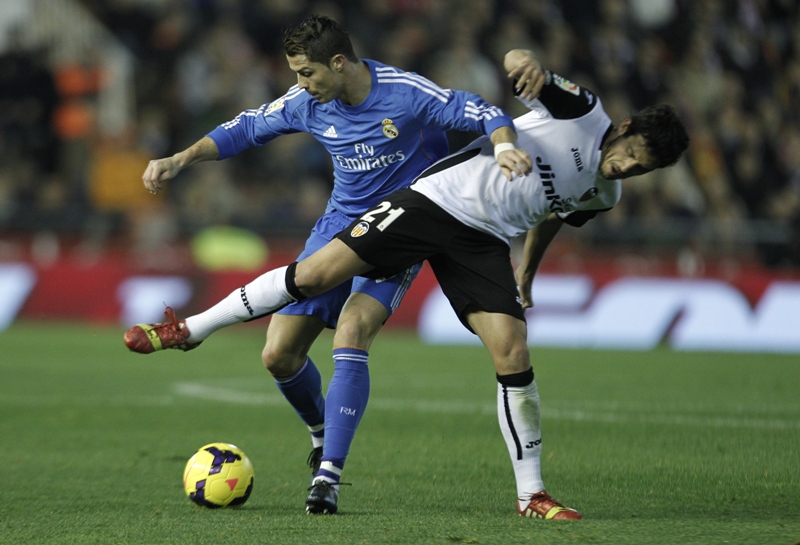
x: 657, y: 447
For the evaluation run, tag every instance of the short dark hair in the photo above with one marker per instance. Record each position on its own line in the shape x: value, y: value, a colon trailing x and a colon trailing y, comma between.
x: 319, y: 38
x: 665, y: 136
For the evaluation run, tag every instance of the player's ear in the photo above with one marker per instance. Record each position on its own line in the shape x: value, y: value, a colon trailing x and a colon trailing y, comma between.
x: 623, y: 127
x: 337, y: 63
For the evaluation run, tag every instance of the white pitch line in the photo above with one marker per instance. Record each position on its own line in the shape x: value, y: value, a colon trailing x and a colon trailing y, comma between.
x: 610, y: 412
x: 35, y: 400
x: 674, y: 419
x: 611, y: 405
x: 228, y: 395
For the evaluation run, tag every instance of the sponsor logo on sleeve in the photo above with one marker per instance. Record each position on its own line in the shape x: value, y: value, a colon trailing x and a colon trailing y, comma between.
x: 566, y: 85
x: 275, y: 106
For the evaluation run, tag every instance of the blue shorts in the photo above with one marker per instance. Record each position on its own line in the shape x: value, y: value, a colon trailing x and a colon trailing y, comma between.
x: 328, y: 305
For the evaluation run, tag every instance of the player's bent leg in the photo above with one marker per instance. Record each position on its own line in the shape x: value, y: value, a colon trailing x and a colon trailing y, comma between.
x: 331, y: 265
x: 506, y: 339
x: 361, y: 319
x: 289, y: 338
x: 328, y: 267
x: 518, y: 411
x: 264, y: 295
x: 285, y: 355
x: 348, y: 391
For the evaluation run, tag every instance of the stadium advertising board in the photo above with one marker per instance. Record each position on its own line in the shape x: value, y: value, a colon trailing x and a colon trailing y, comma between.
x: 745, y: 308
x: 641, y: 314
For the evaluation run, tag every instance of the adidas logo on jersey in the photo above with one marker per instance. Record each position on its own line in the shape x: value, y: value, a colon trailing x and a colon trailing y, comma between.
x: 330, y: 133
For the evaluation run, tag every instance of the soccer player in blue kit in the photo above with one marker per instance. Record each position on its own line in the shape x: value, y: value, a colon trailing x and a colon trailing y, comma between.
x: 382, y: 127
x: 461, y: 215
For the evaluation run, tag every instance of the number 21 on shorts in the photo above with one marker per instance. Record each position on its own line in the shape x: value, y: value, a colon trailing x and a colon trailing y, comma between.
x: 382, y: 208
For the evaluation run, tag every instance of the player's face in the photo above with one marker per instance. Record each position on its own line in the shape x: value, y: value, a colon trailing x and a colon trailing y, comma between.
x: 317, y: 79
x: 624, y: 157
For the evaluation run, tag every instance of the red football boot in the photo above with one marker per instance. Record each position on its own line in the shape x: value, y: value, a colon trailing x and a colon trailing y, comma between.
x: 542, y: 506
x: 147, y: 338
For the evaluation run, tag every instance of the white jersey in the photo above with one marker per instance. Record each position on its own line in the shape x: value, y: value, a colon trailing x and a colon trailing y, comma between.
x: 563, y: 134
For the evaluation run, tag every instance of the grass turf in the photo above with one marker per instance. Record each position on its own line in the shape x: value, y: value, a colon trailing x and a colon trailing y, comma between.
x: 655, y: 447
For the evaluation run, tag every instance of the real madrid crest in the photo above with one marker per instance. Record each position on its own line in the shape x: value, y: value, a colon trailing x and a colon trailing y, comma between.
x: 390, y: 129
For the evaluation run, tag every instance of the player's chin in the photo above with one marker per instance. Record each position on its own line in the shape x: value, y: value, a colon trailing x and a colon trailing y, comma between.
x: 608, y: 174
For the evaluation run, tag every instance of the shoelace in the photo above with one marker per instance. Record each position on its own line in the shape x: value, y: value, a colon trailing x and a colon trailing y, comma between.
x: 325, y: 485
x: 312, y: 457
x: 172, y: 317
x: 541, y: 499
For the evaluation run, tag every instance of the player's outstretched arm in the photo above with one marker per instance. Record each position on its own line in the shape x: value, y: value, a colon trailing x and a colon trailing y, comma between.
x: 536, y: 243
x: 161, y: 170
x: 511, y: 160
x: 525, y: 71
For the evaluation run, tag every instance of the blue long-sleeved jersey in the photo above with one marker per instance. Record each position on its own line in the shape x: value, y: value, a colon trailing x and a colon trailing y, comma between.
x: 378, y: 146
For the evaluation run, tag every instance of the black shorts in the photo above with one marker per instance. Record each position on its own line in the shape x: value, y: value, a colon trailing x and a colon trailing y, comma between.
x: 473, y: 268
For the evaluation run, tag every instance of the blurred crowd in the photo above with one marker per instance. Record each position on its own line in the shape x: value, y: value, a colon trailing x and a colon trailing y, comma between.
x: 731, y: 67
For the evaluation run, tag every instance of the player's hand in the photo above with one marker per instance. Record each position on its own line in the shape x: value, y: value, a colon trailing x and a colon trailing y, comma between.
x: 515, y: 161
x: 524, y: 287
x: 158, y: 171
x: 526, y: 73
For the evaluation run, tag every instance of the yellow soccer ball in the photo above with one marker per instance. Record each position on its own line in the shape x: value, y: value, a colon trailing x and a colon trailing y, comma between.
x: 218, y: 475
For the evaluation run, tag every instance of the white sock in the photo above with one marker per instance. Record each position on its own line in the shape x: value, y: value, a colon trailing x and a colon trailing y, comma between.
x: 518, y: 413
x: 328, y: 473
x: 264, y: 295
x: 317, y: 435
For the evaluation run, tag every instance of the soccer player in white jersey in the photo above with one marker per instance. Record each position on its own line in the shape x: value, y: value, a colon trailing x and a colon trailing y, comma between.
x: 382, y: 127
x: 461, y: 214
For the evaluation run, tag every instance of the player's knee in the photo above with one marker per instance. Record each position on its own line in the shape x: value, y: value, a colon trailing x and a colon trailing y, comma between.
x: 269, y: 358
x: 514, y: 358
x: 311, y: 280
x: 309, y: 284
x: 360, y: 321
x: 353, y: 334
x: 279, y: 362
x: 356, y: 330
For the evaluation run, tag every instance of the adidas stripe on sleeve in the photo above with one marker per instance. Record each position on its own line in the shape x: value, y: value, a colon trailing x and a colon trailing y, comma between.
x: 253, y: 128
x: 445, y: 108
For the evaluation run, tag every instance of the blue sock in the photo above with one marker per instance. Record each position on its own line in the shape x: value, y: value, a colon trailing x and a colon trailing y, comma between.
x: 347, y: 398
x: 303, y: 390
